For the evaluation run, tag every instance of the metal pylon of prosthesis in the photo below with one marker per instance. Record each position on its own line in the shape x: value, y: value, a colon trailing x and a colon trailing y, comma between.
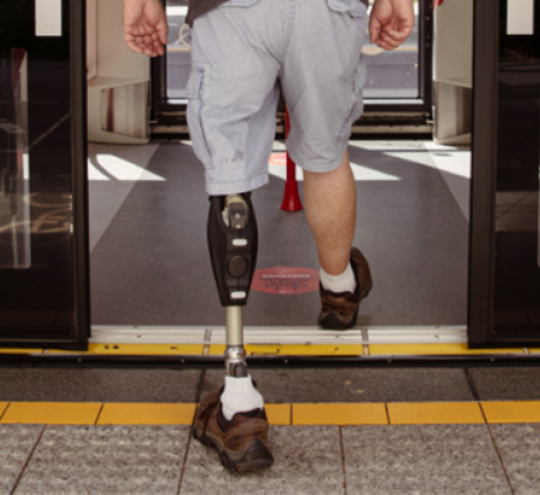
x: 235, y: 354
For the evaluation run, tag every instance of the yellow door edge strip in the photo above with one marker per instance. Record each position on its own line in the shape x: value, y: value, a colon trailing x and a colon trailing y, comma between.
x: 262, y: 350
x: 135, y: 350
x: 436, y: 350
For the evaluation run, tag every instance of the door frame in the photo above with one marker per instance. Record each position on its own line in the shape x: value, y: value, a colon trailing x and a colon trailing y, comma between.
x: 79, y: 187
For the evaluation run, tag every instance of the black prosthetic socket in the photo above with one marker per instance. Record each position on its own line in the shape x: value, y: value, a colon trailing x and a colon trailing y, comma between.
x: 233, y: 252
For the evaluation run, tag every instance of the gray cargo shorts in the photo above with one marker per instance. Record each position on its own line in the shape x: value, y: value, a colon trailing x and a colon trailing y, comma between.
x: 242, y: 51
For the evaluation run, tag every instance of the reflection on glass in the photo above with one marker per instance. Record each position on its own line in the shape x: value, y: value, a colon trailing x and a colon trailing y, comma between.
x: 391, y: 75
x: 14, y: 163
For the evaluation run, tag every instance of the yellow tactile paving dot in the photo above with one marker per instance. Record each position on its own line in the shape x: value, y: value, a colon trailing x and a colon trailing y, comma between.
x: 339, y: 414
x: 52, y: 413
x: 512, y: 411
x: 3, y: 407
x: 146, y: 414
x: 434, y: 349
x: 278, y: 414
x: 429, y: 413
x: 138, y: 349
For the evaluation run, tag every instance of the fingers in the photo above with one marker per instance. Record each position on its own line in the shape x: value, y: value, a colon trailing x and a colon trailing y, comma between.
x: 149, y: 45
x: 400, y: 34
x: 387, y: 41
x: 145, y: 27
x: 391, y: 23
x: 162, y: 32
x: 374, y: 29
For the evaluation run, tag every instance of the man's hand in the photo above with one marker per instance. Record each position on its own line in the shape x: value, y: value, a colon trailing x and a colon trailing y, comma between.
x: 391, y: 22
x: 145, y: 26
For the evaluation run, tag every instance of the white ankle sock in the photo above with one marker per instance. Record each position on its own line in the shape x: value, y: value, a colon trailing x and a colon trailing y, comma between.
x: 339, y: 283
x: 240, y: 396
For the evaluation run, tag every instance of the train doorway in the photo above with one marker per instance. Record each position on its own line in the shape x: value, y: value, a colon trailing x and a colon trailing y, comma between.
x: 150, y: 271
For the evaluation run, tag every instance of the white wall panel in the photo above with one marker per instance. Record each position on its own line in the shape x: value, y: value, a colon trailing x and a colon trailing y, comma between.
x: 48, y: 17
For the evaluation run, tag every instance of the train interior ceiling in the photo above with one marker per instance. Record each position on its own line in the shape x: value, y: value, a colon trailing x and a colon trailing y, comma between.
x: 410, y: 154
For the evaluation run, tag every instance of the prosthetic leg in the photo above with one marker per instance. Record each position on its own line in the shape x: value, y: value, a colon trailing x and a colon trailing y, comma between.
x: 233, y: 418
x: 233, y: 242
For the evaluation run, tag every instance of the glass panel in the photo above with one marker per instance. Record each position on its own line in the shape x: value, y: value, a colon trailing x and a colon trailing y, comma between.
x: 36, y: 242
x: 392, y: 75
x: 517, y: 245
x: 14, y: 163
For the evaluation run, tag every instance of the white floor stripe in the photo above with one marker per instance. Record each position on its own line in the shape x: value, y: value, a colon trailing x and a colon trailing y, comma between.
x: 278, y: 335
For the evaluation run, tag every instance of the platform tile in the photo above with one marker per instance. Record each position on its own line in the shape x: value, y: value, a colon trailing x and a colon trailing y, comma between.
x: 519, y: 446
x: 422, y: 459
x: 106, y: 459
x: 16, y: 444
x: 307, y: 460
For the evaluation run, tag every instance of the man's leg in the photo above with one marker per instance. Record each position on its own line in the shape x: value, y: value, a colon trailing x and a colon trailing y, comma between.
x: 322, y: 79
x: 233, y: 95
x: 330, y: 203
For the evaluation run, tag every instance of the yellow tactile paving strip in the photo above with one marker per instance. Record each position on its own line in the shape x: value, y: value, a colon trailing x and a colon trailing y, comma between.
x: 341, y: 414
x: 3, y: 407
x: 411, y: 413
x: 512, y: 411
x: 146, y: 414
x: 52, y: 413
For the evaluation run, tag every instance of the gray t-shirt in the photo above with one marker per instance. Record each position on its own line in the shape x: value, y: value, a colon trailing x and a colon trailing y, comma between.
x: 199, y: 7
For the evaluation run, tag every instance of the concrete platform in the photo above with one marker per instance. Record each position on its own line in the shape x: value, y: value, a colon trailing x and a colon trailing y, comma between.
x: 362, y: 459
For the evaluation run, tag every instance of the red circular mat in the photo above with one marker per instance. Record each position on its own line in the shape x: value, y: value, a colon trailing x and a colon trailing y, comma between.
x: 286, y: 280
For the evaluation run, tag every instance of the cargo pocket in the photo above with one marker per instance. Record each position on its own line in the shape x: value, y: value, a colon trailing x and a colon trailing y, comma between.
x: 356, y: 105
x: 355, y: 8
x: 359, y: 81
x: 194, y: 93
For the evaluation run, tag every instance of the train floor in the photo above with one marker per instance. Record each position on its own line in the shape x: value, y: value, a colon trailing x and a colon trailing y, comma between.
x: 149, y: 260
x: 429, y: 430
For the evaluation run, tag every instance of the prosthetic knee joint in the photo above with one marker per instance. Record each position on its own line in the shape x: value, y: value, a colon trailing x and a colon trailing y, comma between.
x: 232, y: 241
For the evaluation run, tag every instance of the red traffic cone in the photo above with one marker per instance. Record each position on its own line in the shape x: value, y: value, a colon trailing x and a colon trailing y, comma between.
x: 291, y: 197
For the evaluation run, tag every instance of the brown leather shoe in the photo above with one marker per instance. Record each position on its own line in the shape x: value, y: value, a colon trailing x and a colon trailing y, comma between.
x: 241, y: 442
x: 340, y: 310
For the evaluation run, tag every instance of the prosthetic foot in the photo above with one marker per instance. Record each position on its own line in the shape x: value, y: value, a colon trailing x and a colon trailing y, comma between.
x: 233, y: 419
